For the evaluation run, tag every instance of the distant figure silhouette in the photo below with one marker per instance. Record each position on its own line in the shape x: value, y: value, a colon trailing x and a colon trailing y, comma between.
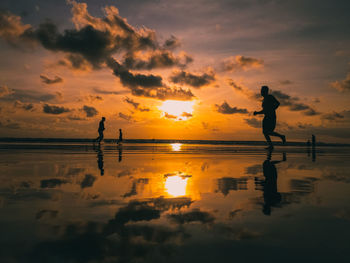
x: 101, y: 128
x: 271, y: 195
x: 120, y: 140
x: 269, y: 105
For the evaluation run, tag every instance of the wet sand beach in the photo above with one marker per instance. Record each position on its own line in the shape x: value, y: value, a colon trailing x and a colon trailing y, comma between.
x: 173, y: 203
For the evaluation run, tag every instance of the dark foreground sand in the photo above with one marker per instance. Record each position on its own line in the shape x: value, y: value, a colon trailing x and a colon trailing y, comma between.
x: 174, y: 203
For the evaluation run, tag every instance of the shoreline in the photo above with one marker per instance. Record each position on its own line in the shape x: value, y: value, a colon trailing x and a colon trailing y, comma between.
x: 164, y: 141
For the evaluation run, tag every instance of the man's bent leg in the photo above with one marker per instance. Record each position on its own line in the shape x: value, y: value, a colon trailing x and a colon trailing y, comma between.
x: 283, y: 137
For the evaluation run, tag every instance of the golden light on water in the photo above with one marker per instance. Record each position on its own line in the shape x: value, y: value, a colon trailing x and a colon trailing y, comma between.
x: 176, y: 185
x: 177, y: 110
x: 176, y: 147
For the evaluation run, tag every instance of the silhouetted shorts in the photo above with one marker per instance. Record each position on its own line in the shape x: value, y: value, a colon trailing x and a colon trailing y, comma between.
x: 269, y: 124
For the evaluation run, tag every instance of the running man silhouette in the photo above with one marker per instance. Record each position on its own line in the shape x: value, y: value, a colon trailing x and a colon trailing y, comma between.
x: 269, y: 105
x: 101, y: 128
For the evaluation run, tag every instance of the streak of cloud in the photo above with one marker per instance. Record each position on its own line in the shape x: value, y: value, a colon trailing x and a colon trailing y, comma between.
x: 225, y: 108
x: 49, y: 81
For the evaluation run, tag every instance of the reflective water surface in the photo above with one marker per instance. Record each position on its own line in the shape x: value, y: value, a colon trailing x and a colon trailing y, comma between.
x: 173, y: 203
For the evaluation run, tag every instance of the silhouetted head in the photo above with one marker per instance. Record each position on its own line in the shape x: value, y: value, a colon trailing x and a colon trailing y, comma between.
x: 264, y: 90
x: 103, y: 118
x: 120, y: 130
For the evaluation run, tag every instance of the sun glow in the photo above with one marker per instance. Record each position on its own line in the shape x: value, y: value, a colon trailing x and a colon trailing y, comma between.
x: 176, y: 185
x: 177, y: 110
x: 176, y: 146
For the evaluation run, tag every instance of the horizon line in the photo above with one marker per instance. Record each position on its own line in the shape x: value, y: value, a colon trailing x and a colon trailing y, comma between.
x: 189, y: 141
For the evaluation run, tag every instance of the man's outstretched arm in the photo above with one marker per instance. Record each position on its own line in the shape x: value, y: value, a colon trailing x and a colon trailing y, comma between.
x: 258, y: 112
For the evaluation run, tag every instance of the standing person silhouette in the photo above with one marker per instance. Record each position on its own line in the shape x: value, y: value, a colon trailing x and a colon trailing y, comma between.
x: 269, y: 105
x: 120, y: 136
x: 101, y: 128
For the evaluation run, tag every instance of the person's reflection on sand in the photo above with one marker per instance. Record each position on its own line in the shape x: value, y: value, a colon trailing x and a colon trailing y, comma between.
x: 120, y: 154
x: 100, y: 161
x: 271, y: 195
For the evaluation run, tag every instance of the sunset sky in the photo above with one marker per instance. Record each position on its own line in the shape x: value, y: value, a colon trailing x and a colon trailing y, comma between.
x: 174, y: 69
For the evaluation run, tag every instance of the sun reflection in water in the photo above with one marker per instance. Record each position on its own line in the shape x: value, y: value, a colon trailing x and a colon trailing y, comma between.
x: 176, y: 146
x: 176, y: 185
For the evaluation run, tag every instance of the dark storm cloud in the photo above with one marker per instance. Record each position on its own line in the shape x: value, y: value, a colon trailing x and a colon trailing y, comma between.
x: 51, y: 183
x: 293, y: 103
x: 253, y: 122
x: 241, y: 63
x: 90, y: 111
x: 88, y: 181
x: 157, y: 59
x: 193, y: 216
x: 150, y: 86
x: 96, y: 39
x: 196, y: 81
x: 52, y: 109
x: 92, y: 44
x: 342, y: 85
x: 49, y: 81
x: 131, y: 80
x: 225, y: 108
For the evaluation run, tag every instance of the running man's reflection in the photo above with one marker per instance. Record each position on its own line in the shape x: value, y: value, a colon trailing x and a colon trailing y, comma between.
x: 100, y: 161
x: 271, y: 195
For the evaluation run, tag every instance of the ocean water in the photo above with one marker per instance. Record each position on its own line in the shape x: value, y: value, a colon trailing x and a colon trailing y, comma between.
x: 72, y: 202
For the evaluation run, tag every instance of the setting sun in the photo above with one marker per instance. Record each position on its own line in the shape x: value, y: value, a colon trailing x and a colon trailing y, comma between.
x: 177, y: 110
